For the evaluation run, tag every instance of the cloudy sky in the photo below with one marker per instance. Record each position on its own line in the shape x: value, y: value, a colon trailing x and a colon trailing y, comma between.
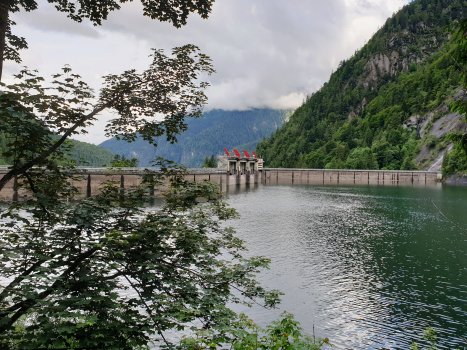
x: 267, y: 53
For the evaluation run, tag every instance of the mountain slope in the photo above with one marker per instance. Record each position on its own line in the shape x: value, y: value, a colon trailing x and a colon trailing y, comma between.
x: 356, y: 120
x: 206, y: 136
x: 88, y: 154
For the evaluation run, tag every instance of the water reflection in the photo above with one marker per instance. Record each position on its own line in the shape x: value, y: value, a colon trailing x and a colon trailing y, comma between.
x: 370, y: 267
x: 237, y: 189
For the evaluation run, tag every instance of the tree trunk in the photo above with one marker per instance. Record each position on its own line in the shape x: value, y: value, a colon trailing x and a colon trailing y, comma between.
x: 3, y: 28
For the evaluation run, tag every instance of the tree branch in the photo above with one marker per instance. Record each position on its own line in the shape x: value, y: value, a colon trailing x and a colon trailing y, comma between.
x: 218, y: 283
x: 23, y: 306
x: 22, y: 169
x: 18, y: 280
x: 34, y: 190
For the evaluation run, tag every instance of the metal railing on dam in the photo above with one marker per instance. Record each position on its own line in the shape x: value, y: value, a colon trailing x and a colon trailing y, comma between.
x: 88, y: 180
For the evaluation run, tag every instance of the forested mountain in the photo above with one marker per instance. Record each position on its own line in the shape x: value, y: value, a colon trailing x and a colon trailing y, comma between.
x: 206, y: 136
x: 88, y: 154
x: 83, y: 153
x: 386, y: 107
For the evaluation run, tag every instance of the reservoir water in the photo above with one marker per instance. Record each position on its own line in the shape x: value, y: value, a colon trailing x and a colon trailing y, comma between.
x: 370, y: 267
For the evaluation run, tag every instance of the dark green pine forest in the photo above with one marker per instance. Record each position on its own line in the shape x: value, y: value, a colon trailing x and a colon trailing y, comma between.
x: 386, y: 107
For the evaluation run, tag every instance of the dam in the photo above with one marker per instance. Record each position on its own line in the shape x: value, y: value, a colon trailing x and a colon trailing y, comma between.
x: 89, y: 180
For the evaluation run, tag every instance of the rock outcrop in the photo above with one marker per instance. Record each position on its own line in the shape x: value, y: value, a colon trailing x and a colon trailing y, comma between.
x: 403, y: 49
x: 434, y: 126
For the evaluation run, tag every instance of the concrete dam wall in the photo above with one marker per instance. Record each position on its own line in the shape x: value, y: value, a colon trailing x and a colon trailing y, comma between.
x: 283, y: 176
x: 89, y: 181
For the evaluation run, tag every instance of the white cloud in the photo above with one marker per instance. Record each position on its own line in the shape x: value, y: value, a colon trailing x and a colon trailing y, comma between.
x: 267, y: 53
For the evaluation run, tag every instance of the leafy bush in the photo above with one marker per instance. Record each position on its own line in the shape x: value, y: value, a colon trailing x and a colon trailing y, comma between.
x: 284, y: 333
x: 431, y: 141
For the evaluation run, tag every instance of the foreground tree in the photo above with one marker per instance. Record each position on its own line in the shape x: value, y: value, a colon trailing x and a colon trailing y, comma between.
x: 63, y: 269
x: 109, y: 273
x: 175, y: 12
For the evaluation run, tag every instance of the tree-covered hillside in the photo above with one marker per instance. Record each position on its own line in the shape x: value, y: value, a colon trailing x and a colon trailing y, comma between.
x: 88, y: 154
x: 206, y: 136
x: 83, y: 153
x: 361, y: 118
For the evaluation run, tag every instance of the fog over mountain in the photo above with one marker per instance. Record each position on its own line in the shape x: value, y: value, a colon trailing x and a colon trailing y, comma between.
x: 267, y: 53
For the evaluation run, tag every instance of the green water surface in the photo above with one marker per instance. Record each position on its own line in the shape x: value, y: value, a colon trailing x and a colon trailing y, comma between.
x: 370, y: 267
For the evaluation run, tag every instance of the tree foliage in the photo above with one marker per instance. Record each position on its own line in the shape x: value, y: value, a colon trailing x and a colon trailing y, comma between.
x: 120, y: 161
x: 285, y: 333
x: 162, y: 10
x: 32, y: 113
x: 107, y: 272
x: 210, y: 162
x: 454, y: 161
x: 95, y: 11
x: 430, y: 336
x: 459, y: 33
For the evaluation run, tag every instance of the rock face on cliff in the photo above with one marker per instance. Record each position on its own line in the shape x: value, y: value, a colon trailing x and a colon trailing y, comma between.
x: 382, y: 64
x: 402, y: 50
x: 433, y: 127
x: 430, y: 127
